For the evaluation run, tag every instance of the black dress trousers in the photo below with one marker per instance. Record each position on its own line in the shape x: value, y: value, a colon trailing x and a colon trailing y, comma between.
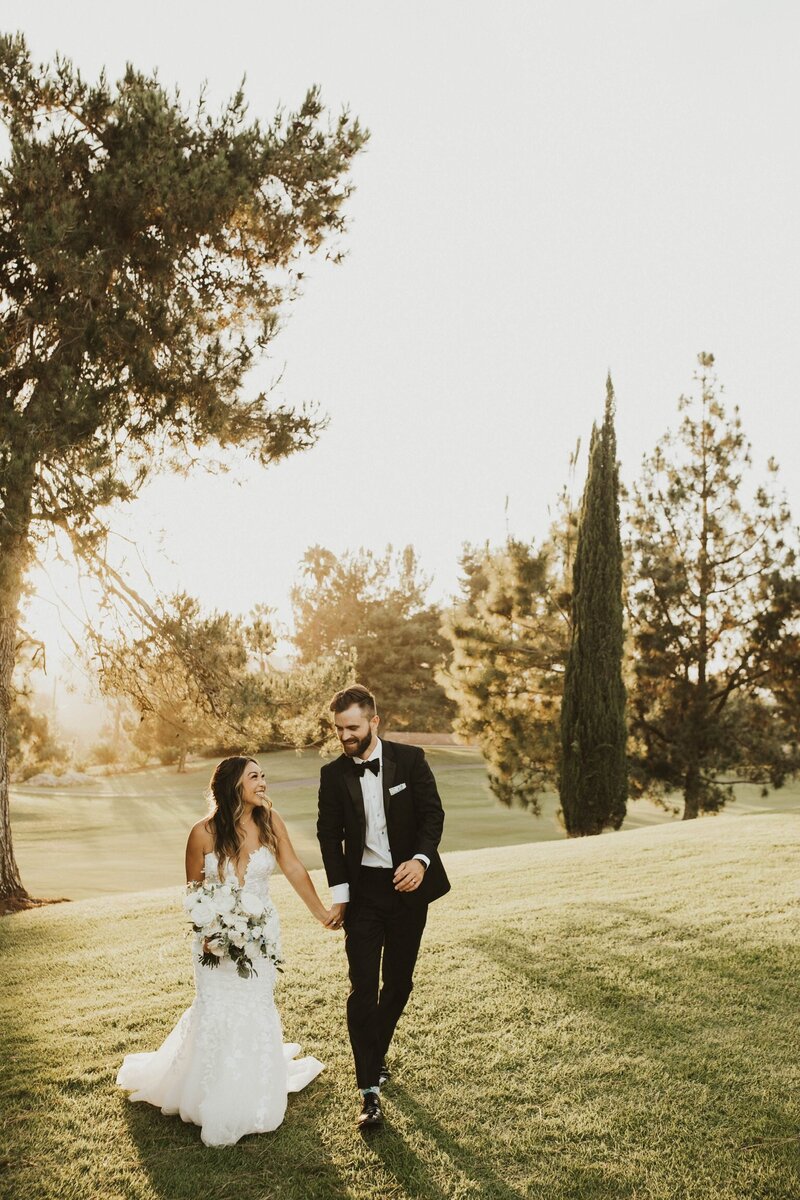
x: 378, y: 923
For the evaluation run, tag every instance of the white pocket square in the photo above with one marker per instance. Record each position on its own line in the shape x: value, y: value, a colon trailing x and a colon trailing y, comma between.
x: 400, y: 787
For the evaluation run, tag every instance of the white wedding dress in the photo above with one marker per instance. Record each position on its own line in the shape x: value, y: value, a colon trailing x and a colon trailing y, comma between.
x: 224, y: 1066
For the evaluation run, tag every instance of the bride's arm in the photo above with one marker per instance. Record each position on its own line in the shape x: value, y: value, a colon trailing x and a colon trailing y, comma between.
x: 196, y: 848
x: 296, y: 873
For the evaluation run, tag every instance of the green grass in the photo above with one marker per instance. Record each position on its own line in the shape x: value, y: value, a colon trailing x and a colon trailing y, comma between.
x: 607, y: 1018
x: 127, y: 833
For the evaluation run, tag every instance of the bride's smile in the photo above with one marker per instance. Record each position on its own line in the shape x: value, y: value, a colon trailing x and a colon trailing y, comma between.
x: 253, y: 787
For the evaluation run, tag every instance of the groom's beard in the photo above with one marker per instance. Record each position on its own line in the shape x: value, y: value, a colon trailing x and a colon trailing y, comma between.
x: 356, y: 749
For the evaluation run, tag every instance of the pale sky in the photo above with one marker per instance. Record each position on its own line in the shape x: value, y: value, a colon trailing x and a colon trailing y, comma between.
x: 550, y: 190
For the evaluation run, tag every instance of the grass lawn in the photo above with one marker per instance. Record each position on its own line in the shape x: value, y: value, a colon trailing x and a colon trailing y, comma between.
x: 127, y: 833
x: 607, y: 1018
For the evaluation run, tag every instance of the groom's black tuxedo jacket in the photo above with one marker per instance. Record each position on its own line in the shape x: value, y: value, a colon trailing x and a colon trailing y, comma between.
x: 414, y: 819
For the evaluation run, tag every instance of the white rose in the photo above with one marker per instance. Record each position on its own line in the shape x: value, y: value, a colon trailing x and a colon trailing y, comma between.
x: 216, y: 947
x: 224, y: 899
x: 202, y: 913
x: 250, y: 904
x: 237, y: 938
x: 255, y: 932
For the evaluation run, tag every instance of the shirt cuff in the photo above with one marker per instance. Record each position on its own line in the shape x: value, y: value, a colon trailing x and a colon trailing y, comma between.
x: 423, y: 858
x: 340, y: 893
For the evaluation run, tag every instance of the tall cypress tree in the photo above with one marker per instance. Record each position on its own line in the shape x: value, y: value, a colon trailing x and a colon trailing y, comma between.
x: 593, y: 785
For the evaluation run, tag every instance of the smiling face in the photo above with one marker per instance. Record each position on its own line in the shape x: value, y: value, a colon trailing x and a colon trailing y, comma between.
x: 357, y: 732
x: 253, y: 786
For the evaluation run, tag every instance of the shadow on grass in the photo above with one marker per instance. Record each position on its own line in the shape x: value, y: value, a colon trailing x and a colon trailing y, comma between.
x: 720, y: 1013
x: 413, y: 1173
x: 289, y: 1164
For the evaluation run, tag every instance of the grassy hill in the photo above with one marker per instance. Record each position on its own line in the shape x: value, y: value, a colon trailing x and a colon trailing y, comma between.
x: 89, y: 840
x: 608, y: 1018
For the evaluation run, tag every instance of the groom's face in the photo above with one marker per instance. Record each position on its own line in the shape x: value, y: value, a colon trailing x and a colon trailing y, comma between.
x: 356, y: 731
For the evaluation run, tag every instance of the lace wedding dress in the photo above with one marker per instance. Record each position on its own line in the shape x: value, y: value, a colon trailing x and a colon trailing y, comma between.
x: 224, y: 1066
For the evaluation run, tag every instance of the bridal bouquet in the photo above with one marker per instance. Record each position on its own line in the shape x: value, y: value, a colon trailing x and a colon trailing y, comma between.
x: 233, y: 923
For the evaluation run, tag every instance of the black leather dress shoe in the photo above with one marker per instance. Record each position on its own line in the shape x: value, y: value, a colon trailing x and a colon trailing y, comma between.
x: 384, y: 1075
x: 371, y: 1112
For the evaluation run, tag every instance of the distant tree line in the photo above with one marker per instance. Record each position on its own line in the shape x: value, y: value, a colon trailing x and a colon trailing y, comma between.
x: 648, y: 645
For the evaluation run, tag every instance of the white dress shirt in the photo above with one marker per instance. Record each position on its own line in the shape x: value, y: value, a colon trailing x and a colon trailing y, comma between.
x: 376, y: 845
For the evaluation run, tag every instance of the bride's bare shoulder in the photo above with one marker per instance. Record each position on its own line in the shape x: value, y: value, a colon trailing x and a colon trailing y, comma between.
x: 278, y: 823
x: 200, y: 836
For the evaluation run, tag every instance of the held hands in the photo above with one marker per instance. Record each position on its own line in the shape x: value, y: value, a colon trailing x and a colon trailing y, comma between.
x: 407, y: 878
x: 409, y: 875
x: 334, y: 918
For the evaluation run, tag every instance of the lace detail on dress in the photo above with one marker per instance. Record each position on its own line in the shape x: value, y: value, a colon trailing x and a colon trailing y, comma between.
x: 260, y: 867
x: 224, y: 1066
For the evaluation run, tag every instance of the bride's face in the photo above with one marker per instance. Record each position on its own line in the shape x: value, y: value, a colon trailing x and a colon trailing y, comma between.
x: 253, y: 786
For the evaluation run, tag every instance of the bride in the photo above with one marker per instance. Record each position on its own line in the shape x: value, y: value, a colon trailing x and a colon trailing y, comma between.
x: 224, y: 1066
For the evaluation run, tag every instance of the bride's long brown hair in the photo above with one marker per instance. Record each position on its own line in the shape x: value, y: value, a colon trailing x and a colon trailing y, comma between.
x: 226, y: 808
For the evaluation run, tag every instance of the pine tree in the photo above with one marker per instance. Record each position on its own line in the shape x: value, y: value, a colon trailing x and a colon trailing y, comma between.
x: 715, y: 605
x: 372, y: 610
x: 509, y: 635
x: 146, y: 252
x: 593, y: 784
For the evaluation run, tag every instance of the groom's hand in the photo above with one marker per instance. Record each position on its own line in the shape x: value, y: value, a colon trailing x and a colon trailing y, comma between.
x: 335, y: 916
x: 408, y: 876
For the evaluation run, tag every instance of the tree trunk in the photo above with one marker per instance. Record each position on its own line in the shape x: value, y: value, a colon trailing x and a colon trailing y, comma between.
x: 12, y: 893
x: 692, y: 792
x: 14, y: 554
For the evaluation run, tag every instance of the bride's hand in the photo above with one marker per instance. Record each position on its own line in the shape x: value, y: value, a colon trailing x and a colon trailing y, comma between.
x: 334, y: 918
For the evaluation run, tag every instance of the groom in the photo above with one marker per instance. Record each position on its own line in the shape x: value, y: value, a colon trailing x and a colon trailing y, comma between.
x: 379, y: 824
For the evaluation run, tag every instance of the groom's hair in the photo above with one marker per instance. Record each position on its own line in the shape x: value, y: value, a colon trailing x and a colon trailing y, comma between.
x: 355, y: 694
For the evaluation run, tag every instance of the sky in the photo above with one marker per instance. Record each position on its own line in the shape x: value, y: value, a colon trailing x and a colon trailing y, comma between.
x: 551, y: 191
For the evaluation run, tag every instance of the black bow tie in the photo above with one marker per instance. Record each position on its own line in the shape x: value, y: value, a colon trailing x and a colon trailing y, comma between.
x: 373, y: 765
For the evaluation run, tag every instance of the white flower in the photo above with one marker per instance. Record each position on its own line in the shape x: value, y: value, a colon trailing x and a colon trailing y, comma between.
x: 251, y: 950
x: 237, y: 938
x: 202, y: 913
x: 224, y: 899
x: 255, y: 932
x: 216, y: 947
x: 250, y: 904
